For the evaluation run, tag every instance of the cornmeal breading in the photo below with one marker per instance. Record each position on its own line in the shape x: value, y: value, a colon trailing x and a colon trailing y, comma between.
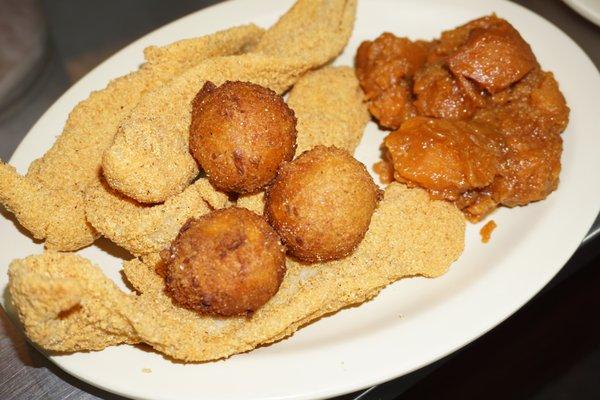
x: 253, y: 202
x: 141, y: 229
x: 329, y: 106
x: 48, y: 213
x: 65, y: 302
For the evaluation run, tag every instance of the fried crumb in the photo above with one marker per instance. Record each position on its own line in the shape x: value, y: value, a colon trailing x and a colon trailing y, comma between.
x: 385, y: 171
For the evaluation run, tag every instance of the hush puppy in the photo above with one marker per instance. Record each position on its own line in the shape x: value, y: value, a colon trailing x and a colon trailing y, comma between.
x: 240, y: 133
x: 321, y: 204
x: 229, y: 262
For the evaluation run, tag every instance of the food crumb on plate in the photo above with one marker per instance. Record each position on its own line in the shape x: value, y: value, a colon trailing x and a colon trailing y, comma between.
x: 385, y: 171
x: 146, y: 370
x: 486, y: 231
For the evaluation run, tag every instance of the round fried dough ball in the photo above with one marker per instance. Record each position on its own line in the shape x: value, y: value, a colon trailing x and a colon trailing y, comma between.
x: 321, y: 204
x: 240, y: 134
x: 228, y: 262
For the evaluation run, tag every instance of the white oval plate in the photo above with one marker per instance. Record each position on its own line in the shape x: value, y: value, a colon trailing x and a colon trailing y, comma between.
x: 411, y: 323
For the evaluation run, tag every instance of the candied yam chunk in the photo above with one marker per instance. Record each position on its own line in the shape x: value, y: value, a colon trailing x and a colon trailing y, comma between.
x: 530, y: 171
x: 382, y: 63
x: 393, y: 107
x: 444, y: 156
x: 439, y: 95
x: 495, y: 57
x: 451, y: 40
x: 548, y: 101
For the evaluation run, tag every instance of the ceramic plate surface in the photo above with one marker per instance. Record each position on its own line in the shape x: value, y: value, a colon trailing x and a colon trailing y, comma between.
x: 412, y: 322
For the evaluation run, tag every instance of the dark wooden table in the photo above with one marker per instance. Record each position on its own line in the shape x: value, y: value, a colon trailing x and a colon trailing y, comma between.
x: 550, y: 349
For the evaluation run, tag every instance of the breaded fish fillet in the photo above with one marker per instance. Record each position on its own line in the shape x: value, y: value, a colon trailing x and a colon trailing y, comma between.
x: 66, y: 305
x: 330, y: 111
x: 49, y: 213
x: 143, y: 229
x: 57, y: 180
x: 149, y: 160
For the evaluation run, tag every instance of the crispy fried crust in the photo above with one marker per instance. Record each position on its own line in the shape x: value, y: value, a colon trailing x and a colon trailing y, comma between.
x: 329, y: 106
x: 51, y: 214
x: 409, y: 235
x: 142, y: 229
x: 228, y: 262
x: 66, y: 304
x: 189, y: 52
x: 253, y: 202
x: 149, y: 160
x: 321, y: 204
x: 330, y: 110
x: 57, y: 180
x: 240, y: 134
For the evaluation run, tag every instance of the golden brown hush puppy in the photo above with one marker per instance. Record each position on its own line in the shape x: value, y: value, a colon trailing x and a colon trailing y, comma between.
x: 228, y: 262
x: 321, y: 204
x: 240, y: 133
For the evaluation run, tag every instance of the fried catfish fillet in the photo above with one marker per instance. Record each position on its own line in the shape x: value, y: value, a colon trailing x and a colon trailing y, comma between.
x: 330, y: 110
x: 149, y: 160
x: 65, y: 304
x: 142, y: 229
x: 329, y: 106
x: 49, y: 200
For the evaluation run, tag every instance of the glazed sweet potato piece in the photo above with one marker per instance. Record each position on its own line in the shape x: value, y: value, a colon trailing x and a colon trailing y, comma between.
x: 494, y: 57
x: 531, y: 127
x: 440, y: 95
x: 446, y: 157
x: 384, y: 68
x: 381, y: 63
